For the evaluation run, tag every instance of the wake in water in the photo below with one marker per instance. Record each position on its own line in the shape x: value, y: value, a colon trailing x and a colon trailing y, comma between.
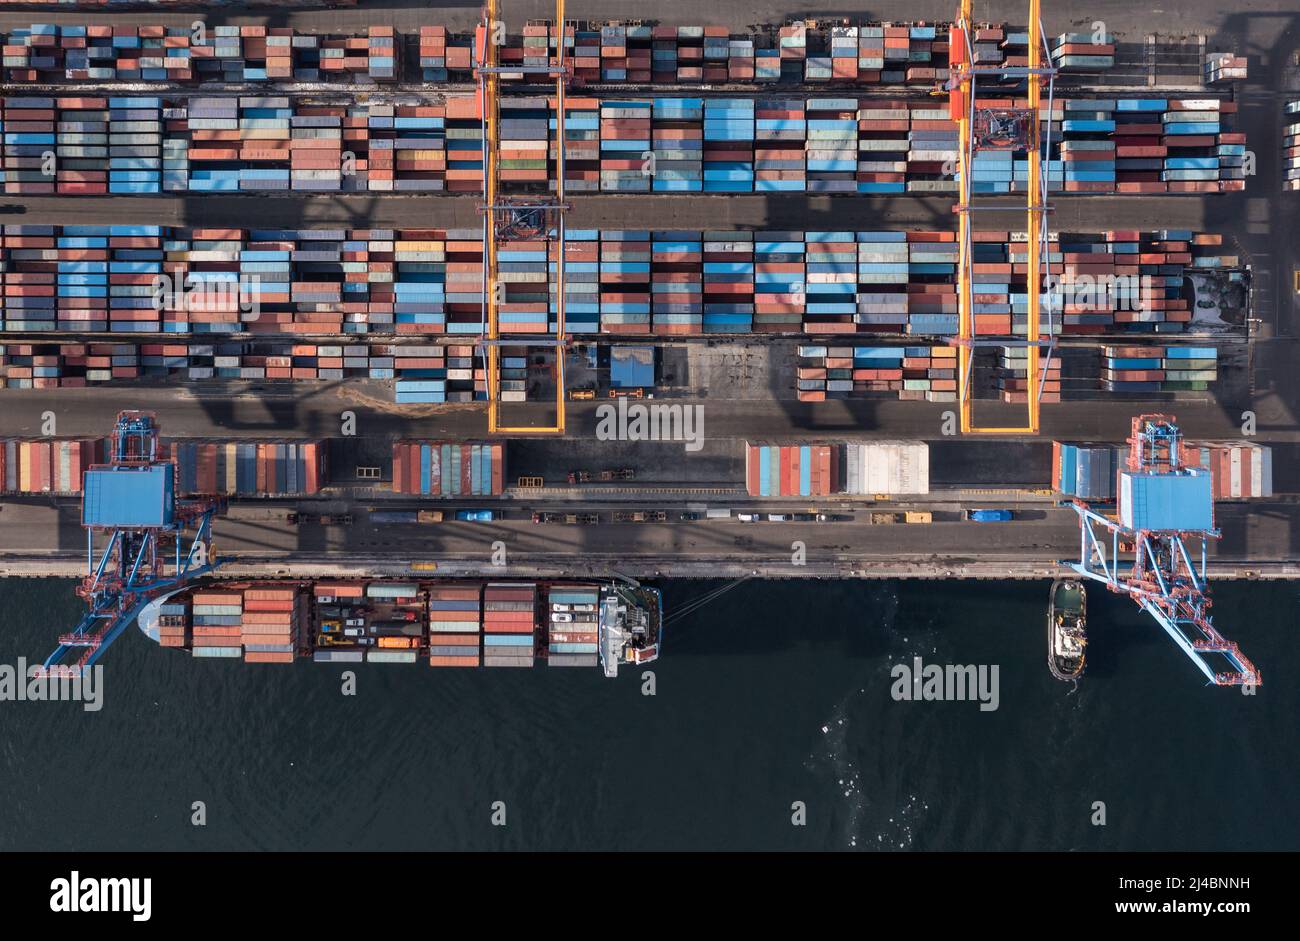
x: 835, y: 758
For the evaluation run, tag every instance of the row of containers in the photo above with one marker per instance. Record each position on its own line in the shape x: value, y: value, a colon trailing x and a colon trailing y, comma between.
x: 48, y: 53
x: 1237, y: 470
x: 151, y: 279
x: 421, y: 374
x: 257, y: 468
x: 223, y: 468
x: 445, y: 469
x: 1142, y: 369
x: 929, y: 373
x: 873, y: 53
x: 459, y: 469
x: 1291, y: 146
x: 1224, y: 67
x: 454, y: 373
x: 48, y: 465
x: 819, y: 470
x: 262, y: 624
x: 278, y: 144
x: 248, y: 468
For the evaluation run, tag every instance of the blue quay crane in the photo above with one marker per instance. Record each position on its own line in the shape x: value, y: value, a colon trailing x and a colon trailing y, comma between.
x: 155, y: 542
x: 1165, y: 518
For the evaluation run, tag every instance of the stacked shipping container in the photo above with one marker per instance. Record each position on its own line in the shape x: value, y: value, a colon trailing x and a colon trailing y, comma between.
x: 806, y: 470
x: 429, y: 282
x: 1224, y: 67
x: 49, y: 465
x: 799, y: 470
x: 886, y: 467
x: 50, y: 53
x: 1086, y: 471
x: 509, y: 624
x: 917, y: 373
x: 248, y: 468
x: 613, y: 53
x: 1237, y: 470
x: 1291, y: 146
x: 414, y: 143
x: 173, y: 624
x: 1083, y: 52
x: 271, y: 624
x: 1159, y: 368
x: 446, y: 469
x: 217, y: 623
x: 1014, y: 382
x: 455, y: 625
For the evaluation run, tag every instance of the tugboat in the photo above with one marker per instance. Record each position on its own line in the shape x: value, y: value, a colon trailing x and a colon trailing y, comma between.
x: 1067, y: 629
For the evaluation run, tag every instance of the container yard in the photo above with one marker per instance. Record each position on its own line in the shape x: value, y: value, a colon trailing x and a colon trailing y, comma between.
x: 611, y: 53
x: 322, y: 283
x: 277, y: 144
x: 430, y: 233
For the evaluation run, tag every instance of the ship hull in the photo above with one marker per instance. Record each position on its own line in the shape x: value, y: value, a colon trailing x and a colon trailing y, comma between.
x: 444, y: 622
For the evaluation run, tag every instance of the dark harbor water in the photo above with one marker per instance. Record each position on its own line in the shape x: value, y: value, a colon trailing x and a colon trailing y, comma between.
x: 775, y: 693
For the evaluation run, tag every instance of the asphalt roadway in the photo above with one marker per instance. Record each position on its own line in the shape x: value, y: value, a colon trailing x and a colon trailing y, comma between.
x: 183, y: 413
x: 1043, y: 536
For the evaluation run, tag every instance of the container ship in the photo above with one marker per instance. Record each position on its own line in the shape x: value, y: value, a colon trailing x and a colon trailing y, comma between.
x: 1067, y: 629
x: 446, y: 623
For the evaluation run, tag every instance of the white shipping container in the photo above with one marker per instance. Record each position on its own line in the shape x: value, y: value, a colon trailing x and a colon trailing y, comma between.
x: 888, y: 467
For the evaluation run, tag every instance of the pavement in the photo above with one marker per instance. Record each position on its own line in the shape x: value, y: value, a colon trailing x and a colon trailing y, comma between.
x: 1043, y: 535
x: 253, y: 414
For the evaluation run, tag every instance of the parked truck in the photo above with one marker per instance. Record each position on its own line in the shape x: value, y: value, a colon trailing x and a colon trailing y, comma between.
x: 988, y: 516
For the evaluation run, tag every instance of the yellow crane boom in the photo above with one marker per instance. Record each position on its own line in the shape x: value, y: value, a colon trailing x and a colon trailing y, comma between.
x: 507, y: 218
x: 975, y: 131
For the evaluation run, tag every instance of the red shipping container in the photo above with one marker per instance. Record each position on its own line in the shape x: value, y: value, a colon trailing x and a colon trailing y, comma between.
x: 44, y: 465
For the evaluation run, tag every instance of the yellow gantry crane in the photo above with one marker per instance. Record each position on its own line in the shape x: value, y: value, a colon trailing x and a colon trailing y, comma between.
x: 999, y: 128
x: 518, y: 218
